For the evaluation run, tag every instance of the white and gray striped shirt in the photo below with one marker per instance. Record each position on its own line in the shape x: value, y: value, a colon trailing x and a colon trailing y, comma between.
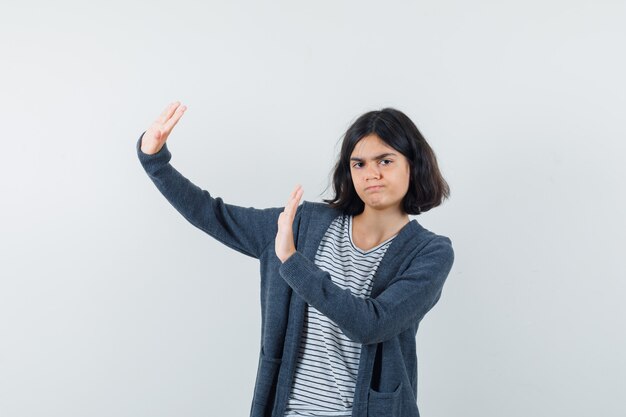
x: 328, y: 361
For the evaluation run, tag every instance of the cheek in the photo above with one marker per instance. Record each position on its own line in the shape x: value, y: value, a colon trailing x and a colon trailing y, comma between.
x: 405, y: 180
x: 354, y: 179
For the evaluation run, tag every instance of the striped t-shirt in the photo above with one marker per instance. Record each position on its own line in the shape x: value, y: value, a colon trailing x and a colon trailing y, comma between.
x: 328, y: 361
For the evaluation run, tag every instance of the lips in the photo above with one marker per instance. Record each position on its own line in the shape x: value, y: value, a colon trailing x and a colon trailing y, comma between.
x: 374, y: 187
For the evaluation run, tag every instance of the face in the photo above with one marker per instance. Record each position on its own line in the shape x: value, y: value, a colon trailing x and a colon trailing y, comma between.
x: 373, y: 162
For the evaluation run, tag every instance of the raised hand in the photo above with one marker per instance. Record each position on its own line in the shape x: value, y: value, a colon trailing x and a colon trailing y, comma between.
x: 284, y: 244
x: 158, y: 132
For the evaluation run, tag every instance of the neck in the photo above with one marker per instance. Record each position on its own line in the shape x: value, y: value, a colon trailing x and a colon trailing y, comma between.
x: 381, y: 222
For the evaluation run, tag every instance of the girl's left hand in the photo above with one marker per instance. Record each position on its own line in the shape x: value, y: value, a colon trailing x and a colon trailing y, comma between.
x: 284, y: 245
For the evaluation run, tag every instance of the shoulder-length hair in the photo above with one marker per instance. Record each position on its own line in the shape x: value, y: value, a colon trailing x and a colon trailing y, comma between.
x: 427, y: 188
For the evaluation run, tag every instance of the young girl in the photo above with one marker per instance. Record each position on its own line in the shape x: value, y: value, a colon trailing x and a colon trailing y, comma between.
x: 344, y: 283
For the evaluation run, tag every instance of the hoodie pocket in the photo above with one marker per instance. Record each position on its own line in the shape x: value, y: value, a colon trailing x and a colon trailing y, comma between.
x: 384, y: 404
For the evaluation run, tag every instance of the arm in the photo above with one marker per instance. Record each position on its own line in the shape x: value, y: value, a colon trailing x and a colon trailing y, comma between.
x: 245, y: 229
x: 404, y: 302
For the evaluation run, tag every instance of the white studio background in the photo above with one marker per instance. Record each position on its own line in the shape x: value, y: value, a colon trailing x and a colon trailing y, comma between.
x: 111, y: 304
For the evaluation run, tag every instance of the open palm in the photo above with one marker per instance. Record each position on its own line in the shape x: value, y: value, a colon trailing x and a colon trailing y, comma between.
x: 158, y: 132
x: 284, y: 245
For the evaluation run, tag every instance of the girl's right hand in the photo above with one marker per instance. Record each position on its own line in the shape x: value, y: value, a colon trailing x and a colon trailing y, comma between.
x: 156, y: 135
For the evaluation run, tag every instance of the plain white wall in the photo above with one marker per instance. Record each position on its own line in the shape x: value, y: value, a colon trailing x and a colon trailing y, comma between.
x: 111, y: 304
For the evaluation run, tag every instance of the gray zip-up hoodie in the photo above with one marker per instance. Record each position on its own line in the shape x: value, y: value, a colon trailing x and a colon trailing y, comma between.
x: 407, y: 284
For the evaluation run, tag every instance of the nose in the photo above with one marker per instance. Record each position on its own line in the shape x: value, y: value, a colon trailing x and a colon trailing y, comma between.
x: 372, y: 173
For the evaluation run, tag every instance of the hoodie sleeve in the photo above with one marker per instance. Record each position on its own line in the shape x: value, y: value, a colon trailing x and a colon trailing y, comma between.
x: 405, y: 301
x: 245, y: 229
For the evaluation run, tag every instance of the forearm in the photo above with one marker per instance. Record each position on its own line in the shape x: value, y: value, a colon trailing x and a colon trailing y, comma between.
x: 371, y: 320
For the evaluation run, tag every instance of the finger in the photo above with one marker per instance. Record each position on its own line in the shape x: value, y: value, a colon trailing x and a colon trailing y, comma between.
x: 294, y: 199
x: 169, y: 125
x: 294, y: 194
x: 298, y: 195
x: 167, y: 113
x: 287, y: 209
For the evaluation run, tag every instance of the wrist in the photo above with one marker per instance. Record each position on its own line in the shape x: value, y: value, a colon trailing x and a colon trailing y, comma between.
x: 288, y: 256
x: 150, y: 150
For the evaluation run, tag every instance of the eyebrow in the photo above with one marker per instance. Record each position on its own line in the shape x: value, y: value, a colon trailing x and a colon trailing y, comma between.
x: 382, y: 155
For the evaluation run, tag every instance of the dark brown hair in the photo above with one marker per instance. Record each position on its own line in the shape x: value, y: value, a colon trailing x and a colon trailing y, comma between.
x: 427, y: 188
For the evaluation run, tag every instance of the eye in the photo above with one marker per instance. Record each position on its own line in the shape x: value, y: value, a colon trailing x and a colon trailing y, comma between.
x: 382, y: 160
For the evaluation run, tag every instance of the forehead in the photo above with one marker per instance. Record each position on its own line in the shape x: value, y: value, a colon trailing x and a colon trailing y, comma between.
x: 371, y: 146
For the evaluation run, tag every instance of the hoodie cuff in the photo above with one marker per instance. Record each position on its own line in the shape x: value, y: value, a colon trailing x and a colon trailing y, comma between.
x: 153, y: 162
